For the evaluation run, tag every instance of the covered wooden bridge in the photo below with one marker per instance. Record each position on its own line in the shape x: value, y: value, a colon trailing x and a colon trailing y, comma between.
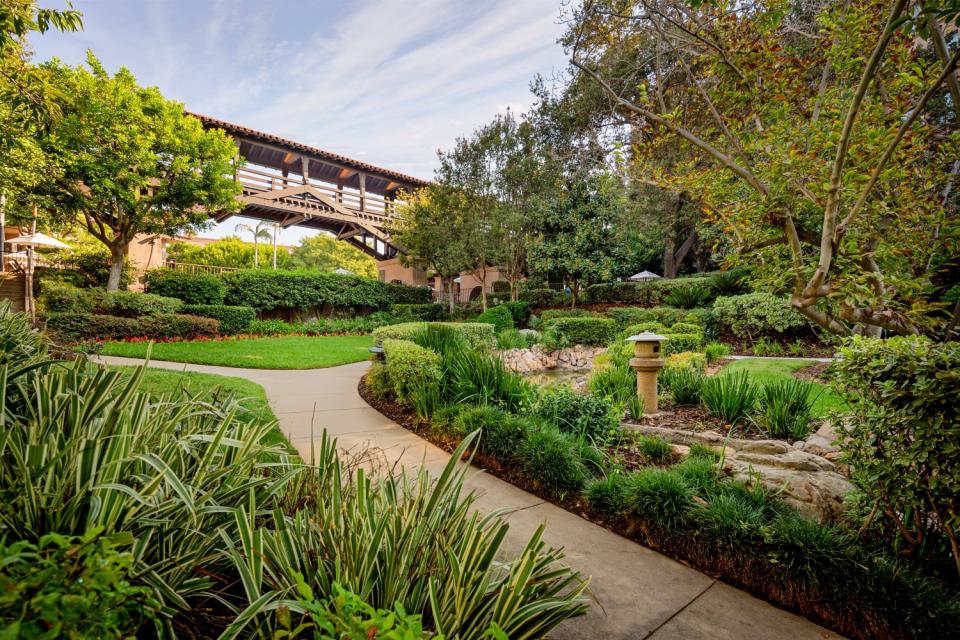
x: 291, y: 183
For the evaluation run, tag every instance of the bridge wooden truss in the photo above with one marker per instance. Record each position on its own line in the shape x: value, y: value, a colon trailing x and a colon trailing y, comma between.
x: 295, y: 184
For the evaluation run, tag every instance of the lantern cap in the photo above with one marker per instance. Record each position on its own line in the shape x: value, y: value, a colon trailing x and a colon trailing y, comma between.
x: 647, y: 336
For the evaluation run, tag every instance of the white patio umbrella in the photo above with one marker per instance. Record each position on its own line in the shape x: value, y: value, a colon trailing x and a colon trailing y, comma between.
x: 32, y: 241
x: 644, y: 275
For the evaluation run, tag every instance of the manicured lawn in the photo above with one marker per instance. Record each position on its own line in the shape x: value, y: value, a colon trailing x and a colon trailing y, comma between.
x: 763, y: 371
x: 284, y: 352
x: 177, y: 385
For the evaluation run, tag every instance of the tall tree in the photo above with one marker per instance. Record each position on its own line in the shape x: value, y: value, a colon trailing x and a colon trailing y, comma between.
x: 326, y: 253
x: 808, y: 133
x: 133, y: 161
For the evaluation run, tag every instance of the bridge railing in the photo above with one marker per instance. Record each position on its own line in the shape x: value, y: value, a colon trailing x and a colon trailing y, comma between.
x: 266, y: 180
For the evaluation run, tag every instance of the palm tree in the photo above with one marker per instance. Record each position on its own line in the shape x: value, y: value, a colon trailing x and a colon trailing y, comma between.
x: 259, y: 232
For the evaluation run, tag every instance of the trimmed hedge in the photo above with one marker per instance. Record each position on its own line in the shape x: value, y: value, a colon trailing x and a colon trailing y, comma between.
x: 753, y: 315
x: 543, y: 297
x: 647, y: 294
x: 427, y: 312
x: 680, y: 342
x: 410, y: 366
x: 552, y: 314
x: 586, y: 331
x: 633, y: 315
x: 499, y: 316
x: 192, y: 288
x: 76, y: 327
x: 233, y: 320
x: 480, y: 336
x: 130, y: 304
x: 519, y: 309
x: 267, y: 290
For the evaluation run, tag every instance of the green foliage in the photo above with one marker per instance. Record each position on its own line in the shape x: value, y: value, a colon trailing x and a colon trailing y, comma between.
x: 498, y: 316
x: 178, y: 325
x: 785, y: 407
x: 685, y: 327
x: 655, y: 449
x: 753, y: 315
x: 684, y: 384
x: 514, y: 339
x: 76, y: 327
x: 479, y: 378
x: 267, y: 290
x: 378, y: 382
x: 903, y: 444
x: 129, y: 304
x: 701, y: 471
x: 585, y: 331
x: 666, y: 316
x: 551, y: 460
x: 716, y: 351
x: 552, y: 314
x: 730, y: 397
x: 661, y: 498
x: 231, y: 252
x: 542, y: 297
x: 20, y: 343
x: 651, y: 293
x: 192, y: 288
x: 729, y: 283
x: 519, y: 311
x: 71, y: 587
x: 480, y: 336
x: 686, y: 360
x: 323, y: 253
x: 410, y: 366
x: 426, y: 312
x: 339, y: 326
x: 87, y: 264
x: 577, y: 413
x: 233, y: 320
x: 698, y: 450
x: 607, y: 496
x: 61, y: 297
x: 764, y: 346
x: 681, y: 342
x: 500, y: 432
x: 688, y: 297
x: 616, y: 384
x: 270, y: 327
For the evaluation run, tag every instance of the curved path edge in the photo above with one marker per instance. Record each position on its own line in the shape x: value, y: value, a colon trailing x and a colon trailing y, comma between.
x: 641, y: 594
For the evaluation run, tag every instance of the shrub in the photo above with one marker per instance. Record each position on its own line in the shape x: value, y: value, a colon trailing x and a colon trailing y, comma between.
x: 130, y: 304
x: 479, y: 378
x: 686, y: 360
x: 378, y: 382
x: 270, y: 327
x: 716, y: 351
x: 500, y: 432
x: 785, y: 407
x: 701, y: 473
x: 585, y: 331
x: 76, y: 327
x: 608, y: 495
x: 359, y: 324
x: 660, y: 498
x: 688, y: 298
x: 684, y: 384
x: 232, y: 320
x: 685, y: 327
x: 20, y: 343
x: 519, y: 310
x: 191, y: 288
x: 648, y: 294
x: 514, y: 339
x: 730, y: 397
x: 680, y: 342
x: 550, y: 460
x: 178, y: 325
x: 655, y: 449
x: 498, y: 316
x: 479, y: 336
x: 902, y: 444
x: 553, y: 314
x: 71, y: 587
x: 729, y: 283
x: 753, y: 315
x: 410, y: 366
x: 542, y: 297
x: 425, y: 312
x: 577, y: 413
x: 666, y: 316
x: 648, y: 327
x: 60, y: 297
x: 266, y: 290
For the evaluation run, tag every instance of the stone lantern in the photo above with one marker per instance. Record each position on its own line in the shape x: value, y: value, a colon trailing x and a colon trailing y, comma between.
x: 647, y: 361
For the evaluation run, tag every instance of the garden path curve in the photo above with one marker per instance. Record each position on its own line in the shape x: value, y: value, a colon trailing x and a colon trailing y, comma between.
x: 642, y: 594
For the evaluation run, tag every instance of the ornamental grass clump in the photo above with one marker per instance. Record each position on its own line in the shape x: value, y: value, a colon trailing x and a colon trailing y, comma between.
x: 785, y: 408
x: 551, y: 460
x: 730, y: 397
x: 607, y: 496
x: 660, y: 498
x: 685, y: 385
x: 655, y: 449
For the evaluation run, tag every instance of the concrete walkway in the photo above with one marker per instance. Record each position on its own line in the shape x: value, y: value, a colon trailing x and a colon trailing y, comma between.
x: 641, y: 593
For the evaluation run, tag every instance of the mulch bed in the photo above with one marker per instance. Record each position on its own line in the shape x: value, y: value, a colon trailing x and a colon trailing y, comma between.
x: 816, y: 372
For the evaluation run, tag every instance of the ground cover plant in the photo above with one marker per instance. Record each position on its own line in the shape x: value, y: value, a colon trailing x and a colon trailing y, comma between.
x: 184, y: 518
x: 283, y: 352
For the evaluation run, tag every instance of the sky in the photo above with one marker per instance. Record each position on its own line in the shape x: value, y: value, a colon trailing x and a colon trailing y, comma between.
x: 384, y: 81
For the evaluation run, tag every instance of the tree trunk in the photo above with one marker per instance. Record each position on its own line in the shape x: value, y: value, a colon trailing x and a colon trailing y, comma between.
x: 451, y: 304
x: 574, y: 290
x: 256, y: 253
x: 118, y: 253
x: 483, y: 288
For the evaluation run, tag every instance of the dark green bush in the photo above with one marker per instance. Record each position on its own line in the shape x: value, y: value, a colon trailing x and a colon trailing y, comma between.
x: 178, y: 325
x: 753, y: 315
x: 479, y: 378
x: 700, y: 472
x: 71, y: 587
x: 903, y: 445
x: 660, y: 498
x: 267, y: 290
x: 585, y: 331
x: 551, y: 460
x: 192, y: 288
x: 75, y: 327
x: 729, y: 283
x: 648, y: 294
x: 542, y: 297
x: 426, y: 312
x: 680, y: 342
x: 500, y: 432
x: 130, y: 304
x: 61, y: 297
x: 552, y: 314
x: 616, y: 384
x: 666, y: 316
x: 608, y: 495
x: 498, y: 316
x: 410, y: 366
x: 689, y: 297
x: 577, y: 413
x: 730, y: 397
x: 233, y: 320
x: 519, y: 310
x: 732, y: 522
